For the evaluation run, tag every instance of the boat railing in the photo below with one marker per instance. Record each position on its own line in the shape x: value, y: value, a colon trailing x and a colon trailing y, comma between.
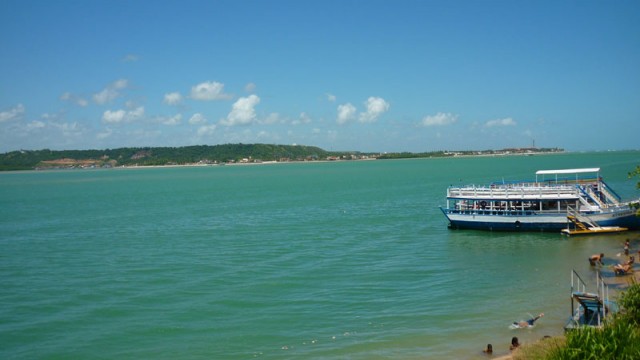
x: 504, y: 212
x: 580, y: 217
x: 510, y: 192
x: 577, y: 284
x: 588, y: 192
x: 621, y: 208
x: 604, y: 290
x: 609, y: 192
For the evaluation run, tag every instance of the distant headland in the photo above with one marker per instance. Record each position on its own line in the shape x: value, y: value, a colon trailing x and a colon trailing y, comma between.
x: 213, y: 155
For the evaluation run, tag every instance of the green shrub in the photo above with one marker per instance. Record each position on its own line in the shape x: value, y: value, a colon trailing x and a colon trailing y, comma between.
x: 630, y: 303
x: 618, y: 340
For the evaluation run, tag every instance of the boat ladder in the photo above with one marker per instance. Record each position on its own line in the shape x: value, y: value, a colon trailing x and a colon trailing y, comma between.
x: 582, y: 222
x: 587, y: 308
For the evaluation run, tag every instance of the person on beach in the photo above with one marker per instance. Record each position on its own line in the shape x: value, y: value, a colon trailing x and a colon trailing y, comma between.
x: 514, y: 343
x: 528, y: 322
x: 488, y: 350
x: 621, y: 269
x: 596, y: 258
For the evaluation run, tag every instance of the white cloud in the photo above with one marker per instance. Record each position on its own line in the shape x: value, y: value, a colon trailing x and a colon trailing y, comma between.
x: 302, y: 119
x: 272, y: 118
x: 136, y: 113
x: 439, y: 119
x: 35, y: 125
x: 206, y: 130
x: 113, y: 116
x: 105, y: 134
x: 120, y: 84
x: 74, y: 99
x: 174, y: 120
x: 122, y: 116
x: 173, y: 98
x: 331, y: 98
x: 375, y: 107
x: 12, y: 114
x: 111, y: 92
x: 242, y: 112
x: 250, y: 87
x: 196, y: 119
x: 500, y: 122
x: 346, y: 112
x: 69, y: 129
x: 210, y: 90
x: 130, y: 58
x: 264, y: 135
x: 131, y: 104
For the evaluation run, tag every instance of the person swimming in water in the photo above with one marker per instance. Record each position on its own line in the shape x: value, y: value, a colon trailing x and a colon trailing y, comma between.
x: 529, y: 322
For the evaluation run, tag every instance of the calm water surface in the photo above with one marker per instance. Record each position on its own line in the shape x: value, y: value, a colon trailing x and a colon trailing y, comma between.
x: 312, y: 260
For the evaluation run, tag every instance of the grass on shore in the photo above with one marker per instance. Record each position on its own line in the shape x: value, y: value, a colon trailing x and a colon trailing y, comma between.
x: 542, y: 349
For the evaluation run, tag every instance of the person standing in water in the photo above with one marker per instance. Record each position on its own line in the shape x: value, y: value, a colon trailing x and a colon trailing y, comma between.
x: 597, y: 258
x: 626, y: 247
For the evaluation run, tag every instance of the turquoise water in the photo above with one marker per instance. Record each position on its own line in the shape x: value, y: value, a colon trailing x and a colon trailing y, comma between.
x: 309, y: 260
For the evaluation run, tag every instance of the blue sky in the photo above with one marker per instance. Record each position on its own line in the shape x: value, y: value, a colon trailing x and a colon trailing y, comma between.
x: 342, y: 75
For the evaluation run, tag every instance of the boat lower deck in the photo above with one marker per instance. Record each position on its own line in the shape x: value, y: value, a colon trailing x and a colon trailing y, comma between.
x: 594, y: 230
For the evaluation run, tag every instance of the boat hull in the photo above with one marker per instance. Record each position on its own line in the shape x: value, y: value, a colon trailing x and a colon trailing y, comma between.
x: 531, y: 221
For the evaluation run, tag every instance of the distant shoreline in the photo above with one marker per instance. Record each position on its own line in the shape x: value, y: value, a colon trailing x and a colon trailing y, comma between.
x: 250, y: 163
x: 271, y: 162
x: 227, y: 154
x: 65, y: 164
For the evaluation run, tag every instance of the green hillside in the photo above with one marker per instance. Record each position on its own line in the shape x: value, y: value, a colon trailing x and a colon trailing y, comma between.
x: 39, y: 159
x: 216, y: 154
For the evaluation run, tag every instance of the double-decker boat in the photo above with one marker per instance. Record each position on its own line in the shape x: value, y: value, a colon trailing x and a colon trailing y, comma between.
x: 555, y: 199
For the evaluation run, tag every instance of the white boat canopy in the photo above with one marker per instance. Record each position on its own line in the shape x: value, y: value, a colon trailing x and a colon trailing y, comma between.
x: 566, y: 171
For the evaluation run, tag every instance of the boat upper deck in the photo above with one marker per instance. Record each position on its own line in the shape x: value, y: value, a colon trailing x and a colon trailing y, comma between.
x: 515, y: 192
x: 567, y: 184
